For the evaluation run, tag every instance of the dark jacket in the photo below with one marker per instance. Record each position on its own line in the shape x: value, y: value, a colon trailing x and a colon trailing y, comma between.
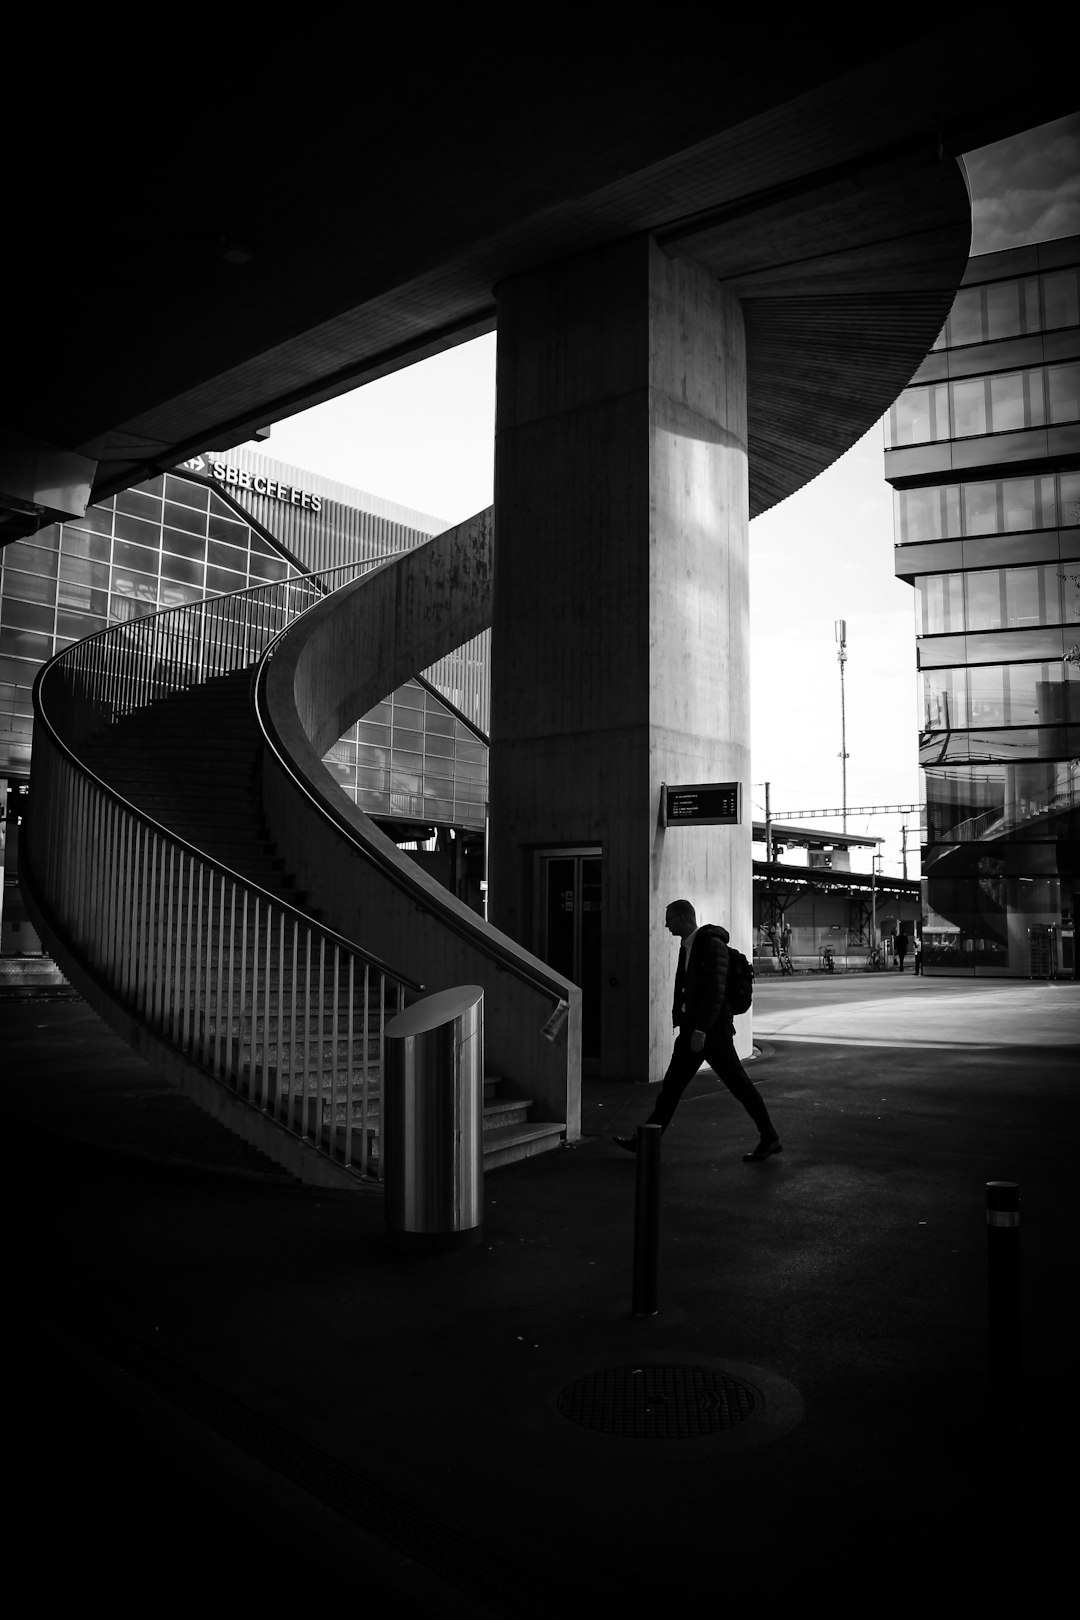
x: 699, y: 994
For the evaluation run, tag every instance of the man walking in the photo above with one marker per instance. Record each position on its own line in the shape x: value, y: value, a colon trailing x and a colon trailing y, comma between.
x: 900, y: 948
x: 706, y: 1029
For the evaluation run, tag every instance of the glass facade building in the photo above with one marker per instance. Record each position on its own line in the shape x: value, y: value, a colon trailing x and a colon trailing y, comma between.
x: 983, y: 452
x: 220, y: 524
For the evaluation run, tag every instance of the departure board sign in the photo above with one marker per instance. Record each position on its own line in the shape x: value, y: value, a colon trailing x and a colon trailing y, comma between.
x: 702, y: 804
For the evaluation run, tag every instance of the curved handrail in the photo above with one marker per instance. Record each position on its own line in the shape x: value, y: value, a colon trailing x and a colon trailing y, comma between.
x: 336, y: 661
x: 182, y: 845
x: 381, y: 852
x: 284, y: 1010
x: 362, y: 833
x: 312, y: 584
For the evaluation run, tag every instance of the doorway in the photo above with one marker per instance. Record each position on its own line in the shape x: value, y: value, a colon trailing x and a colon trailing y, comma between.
x: 568, y: 900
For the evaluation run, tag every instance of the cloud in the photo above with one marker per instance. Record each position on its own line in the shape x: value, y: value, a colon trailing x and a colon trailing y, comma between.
x: 1026, y: 189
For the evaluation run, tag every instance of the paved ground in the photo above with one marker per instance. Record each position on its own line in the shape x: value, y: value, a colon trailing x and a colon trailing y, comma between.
x: 223, y: 1388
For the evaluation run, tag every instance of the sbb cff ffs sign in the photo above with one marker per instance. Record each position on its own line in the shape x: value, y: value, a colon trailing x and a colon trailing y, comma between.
x: 702, y: 804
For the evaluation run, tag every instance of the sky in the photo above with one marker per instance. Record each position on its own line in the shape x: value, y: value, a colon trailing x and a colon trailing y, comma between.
x: 425, y: 437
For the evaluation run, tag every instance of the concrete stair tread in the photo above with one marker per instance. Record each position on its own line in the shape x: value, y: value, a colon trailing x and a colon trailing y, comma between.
x: 506, y: 1144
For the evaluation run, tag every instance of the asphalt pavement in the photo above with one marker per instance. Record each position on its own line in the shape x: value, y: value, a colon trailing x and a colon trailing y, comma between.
x: 224, y: 1387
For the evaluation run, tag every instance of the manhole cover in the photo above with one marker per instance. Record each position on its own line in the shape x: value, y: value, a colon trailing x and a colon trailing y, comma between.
x: 657, y: 1402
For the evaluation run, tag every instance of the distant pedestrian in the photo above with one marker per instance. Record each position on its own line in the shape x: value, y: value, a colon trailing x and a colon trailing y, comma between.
x: 901, y: 948
x: 918, y: 954
x: 706, y: 1029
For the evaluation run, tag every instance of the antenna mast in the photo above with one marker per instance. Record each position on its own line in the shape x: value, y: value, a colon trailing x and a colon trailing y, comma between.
x: 841, y: 637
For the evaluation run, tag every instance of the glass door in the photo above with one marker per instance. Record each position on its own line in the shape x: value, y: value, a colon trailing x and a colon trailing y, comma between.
x: 568, y: 900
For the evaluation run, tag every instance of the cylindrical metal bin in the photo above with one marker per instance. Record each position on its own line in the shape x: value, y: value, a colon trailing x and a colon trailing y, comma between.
x: 433, y: 1122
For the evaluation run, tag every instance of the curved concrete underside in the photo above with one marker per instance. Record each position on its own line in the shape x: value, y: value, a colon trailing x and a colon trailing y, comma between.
x: 303, y: 232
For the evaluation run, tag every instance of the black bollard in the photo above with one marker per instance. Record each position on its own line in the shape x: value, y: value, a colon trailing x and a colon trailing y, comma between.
x: 1003, y: 1299
x: 647, y: 1221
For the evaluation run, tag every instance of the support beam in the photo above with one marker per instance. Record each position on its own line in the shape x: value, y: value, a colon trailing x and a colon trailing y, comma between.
x: 621, y: 623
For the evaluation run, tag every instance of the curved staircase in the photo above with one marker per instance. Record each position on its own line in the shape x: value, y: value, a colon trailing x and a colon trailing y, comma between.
x: 179, y: 906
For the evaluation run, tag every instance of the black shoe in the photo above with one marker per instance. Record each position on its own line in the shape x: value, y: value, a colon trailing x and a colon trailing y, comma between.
x: 765, y: 1149
x: 627, y: 1142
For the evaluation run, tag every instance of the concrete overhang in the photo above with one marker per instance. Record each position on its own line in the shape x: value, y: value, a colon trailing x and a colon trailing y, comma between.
x: 230, y: 232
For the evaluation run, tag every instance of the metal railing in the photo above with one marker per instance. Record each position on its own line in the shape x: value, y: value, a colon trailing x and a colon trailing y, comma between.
x: 287, y: 1013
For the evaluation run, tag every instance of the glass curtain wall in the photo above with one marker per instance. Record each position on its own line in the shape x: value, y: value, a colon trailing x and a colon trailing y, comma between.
x: 994, y: 558
x: 175, y: 540
x: 167, y: 542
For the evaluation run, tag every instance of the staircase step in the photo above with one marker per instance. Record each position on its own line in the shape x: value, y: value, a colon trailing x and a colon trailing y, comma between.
x: 513, y: 1112
x: 509, y: 1143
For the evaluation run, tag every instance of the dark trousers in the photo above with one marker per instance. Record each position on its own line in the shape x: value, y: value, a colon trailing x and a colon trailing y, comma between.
x: 720, y: 1054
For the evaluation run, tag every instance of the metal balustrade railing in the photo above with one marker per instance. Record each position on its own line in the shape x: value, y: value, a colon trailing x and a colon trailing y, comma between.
x: 286, y: 1013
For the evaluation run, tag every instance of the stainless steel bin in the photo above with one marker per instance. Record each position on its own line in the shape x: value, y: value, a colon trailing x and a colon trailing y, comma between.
x: 433, y: 1122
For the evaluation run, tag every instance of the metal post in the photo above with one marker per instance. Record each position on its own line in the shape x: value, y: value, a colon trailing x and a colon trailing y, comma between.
x: 647, y: 1221
x: 1003, y: 1298
x: 768, y: 827
x: 841, y: 637
x: 873, y: 901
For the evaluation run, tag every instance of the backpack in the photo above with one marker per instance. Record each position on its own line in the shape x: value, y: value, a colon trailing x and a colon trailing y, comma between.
x: 740, y: 982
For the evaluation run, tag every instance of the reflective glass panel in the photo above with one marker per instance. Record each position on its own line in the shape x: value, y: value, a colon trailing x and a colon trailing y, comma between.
x: 944, y: 699
x: 25, y: 644
x: 1023, y: 681
x: 1026, y: 599
x: 1020, y: 502
x: 1069, y: 586
x: 969, y: 407
x: 29, y: 587
x: 26, y: 615
x: 1011, y: 307
x: 1063, y: 383
x: 139, y: 557
x: 1007, y: 402
x: 984, y: 599
x: 920, y: 415
x: 185, y: 570
x: 79, y: 543
x: 226, y: 528
x: 939, y: 603
x: 267, y: 568
x: 78, y: 625
x: 139, y: 504
x: 97, y: 519
x: 224, y: 556
x: 987, y: 703
x: 186, y: 491
x: 184, y: 545
x: 981, y: 508
x: 966, y: 317
x: 183, y: 517
x: 172, y: 594
x: 927, y: 514
x: 81, y: 571
x: 1061, y: 303
x: 137, y: 529
x: 35, y: 560
x: 1069, y: 499
x: 221, y: 580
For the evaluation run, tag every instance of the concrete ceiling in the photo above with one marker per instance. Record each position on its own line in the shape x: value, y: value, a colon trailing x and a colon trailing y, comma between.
x: 212, y: 231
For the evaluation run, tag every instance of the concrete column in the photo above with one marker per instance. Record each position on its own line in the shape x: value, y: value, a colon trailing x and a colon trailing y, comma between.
x: 621, y: 623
